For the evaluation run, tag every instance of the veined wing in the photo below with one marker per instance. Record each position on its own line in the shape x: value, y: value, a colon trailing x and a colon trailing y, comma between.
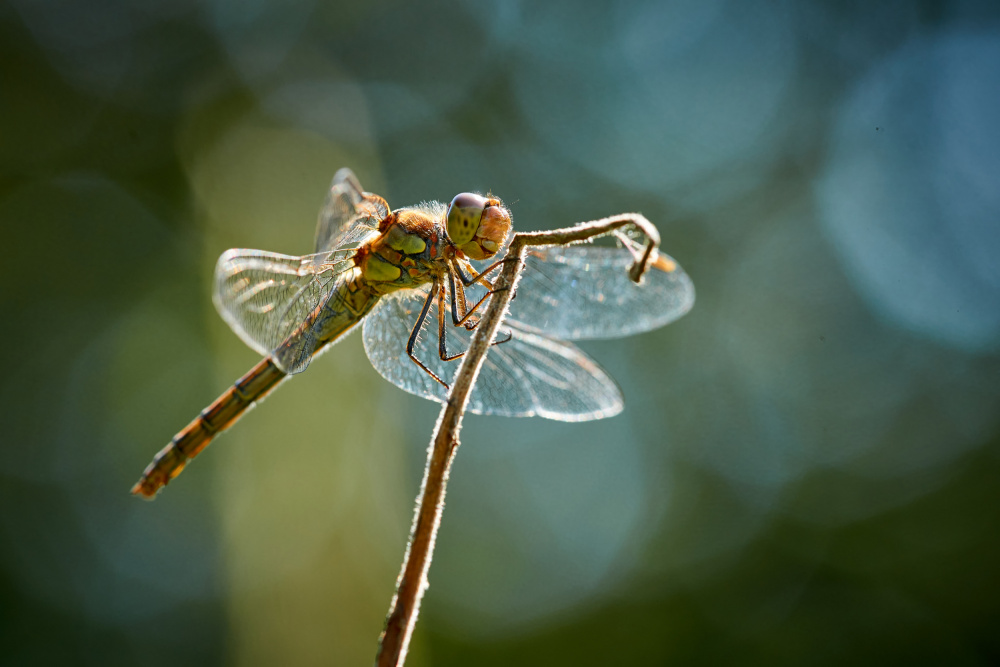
x: 349, y: 216
x: 527, y: 376
x: 583, y: 291
x: 266, y: 297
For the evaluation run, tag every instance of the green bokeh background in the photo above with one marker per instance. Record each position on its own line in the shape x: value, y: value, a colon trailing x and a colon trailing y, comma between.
x: 808, y: 467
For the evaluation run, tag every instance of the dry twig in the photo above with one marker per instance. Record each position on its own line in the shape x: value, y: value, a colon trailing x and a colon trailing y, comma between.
x: 412, y: 581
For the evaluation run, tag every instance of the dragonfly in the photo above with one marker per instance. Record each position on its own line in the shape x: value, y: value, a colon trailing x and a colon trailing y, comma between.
x: 415, y: 279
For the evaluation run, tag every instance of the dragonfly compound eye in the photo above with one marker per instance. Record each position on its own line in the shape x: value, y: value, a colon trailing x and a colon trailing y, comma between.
x: 464, y: 214
x: 478, y: 225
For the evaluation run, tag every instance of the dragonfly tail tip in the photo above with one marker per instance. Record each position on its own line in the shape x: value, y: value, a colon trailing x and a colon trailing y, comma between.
x: 143, y: 491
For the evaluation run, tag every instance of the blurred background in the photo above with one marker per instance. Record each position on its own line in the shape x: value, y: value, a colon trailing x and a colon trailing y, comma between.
x: 808, y: 467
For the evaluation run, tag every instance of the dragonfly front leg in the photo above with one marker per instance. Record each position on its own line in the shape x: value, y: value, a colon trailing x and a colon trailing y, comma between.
x: 458, y: 295
x: 434, y: 291
x: 468, y: 282
x: 442, y: 332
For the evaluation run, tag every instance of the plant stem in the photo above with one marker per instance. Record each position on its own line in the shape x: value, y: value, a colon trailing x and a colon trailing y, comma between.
x: 412, y: 580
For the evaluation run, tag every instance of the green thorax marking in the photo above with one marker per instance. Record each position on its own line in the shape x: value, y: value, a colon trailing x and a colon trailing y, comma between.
x: 405, y: 242
x: 409, y: 252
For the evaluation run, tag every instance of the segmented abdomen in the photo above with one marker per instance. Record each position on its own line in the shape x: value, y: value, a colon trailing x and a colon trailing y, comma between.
x: 214, y: 419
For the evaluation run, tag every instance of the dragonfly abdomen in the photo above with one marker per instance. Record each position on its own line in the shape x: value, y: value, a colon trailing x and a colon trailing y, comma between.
x: 214, y: 419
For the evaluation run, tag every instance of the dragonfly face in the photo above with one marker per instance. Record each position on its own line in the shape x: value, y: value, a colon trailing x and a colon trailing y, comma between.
x: 478, y: 225
x: 395, y: 273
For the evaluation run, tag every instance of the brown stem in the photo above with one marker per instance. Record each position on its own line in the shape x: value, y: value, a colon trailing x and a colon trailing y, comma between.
x: 412, y: 581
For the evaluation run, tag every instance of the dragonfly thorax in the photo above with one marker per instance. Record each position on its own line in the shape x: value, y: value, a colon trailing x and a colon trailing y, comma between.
x: 412, y: 248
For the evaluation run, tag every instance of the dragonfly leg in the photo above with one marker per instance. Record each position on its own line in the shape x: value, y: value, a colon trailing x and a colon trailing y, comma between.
x: 460, y: 320
x: 443, y: 350
x: 510, y: 335
x: 442, y: 337
x: 629, y: 244
x: 467, y: 281
x: 457, y: 299
x: 442, y: 334
x: 416, y: 331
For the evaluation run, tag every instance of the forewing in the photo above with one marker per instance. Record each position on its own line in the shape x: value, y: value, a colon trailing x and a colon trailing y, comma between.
x: 526, y: 376
x: 349, y: 216
x: 583, y: 291
x: 269, y: 299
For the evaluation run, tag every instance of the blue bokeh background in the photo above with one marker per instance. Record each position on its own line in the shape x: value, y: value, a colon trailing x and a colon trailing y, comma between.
x: 808, y: 467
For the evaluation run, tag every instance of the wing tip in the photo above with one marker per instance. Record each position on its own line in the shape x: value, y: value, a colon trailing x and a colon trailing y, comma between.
x: 343, y: 174
x: 594, y: 415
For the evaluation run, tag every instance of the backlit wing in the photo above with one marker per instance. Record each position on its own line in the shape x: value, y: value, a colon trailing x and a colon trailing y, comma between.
x: 583, y: 291
x: 526, y: 376
x: 267, y: 297
x: 349, y: 216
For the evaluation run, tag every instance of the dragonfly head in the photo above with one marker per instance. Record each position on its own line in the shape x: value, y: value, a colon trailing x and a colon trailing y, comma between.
x: 478, y: 225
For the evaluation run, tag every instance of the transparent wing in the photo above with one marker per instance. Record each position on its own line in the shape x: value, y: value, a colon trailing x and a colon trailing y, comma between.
x: 349, y: 216
x: 269, y: 299
x: 527, y: 376
x: 583, y: 291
